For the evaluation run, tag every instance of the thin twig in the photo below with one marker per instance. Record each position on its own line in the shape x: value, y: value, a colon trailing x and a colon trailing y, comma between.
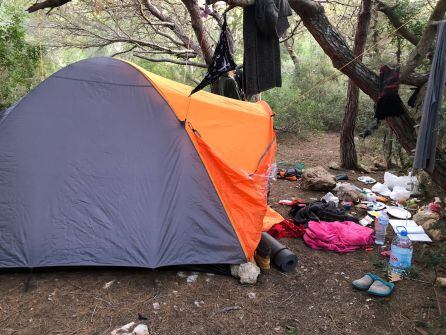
x: 92, y: 314
x: 287, y: 298
x: 438, y: 301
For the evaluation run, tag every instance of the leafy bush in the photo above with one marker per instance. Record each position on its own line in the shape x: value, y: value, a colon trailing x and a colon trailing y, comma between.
x: 313, y: 94
x: 18, y: 58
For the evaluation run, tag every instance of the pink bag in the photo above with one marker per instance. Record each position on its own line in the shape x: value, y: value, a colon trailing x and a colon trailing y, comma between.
x: 338, y: 236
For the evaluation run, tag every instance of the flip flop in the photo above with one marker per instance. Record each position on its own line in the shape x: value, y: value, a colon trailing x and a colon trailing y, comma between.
x: 366, y: 180
x: 381, y: 288
x: 365, y: 282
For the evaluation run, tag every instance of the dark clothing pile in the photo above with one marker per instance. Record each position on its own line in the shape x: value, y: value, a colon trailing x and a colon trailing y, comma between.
x: 291, y: 174
x: 240, y: 81
x: 263, y: 24
x: 222, y: 60
x: 319, y: 211
x: 389, y: 102
x: 228, y: 87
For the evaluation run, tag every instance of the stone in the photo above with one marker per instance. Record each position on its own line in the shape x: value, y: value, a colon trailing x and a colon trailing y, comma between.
x: 191, y: 279
x: 425, y: 215
x: 436, y: 235
x: 140, y: 330
x: 131, y: 329
x: 364, y: 168
x: 429, y: 224
x: 334, y: 166
x: 318, y: 179
x: 234, y: 270
x: 441, y: 281
x: 124, y: 330
x: 251, y: 295
x: 248, y: 273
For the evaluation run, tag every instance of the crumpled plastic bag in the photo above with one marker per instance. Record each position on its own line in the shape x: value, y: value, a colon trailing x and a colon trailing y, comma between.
x: 410, y: 183
x: 399, y: 194
x: 349, y: 192
x: 381, y: 189
x: 131, y: 329
x: 327, y: 197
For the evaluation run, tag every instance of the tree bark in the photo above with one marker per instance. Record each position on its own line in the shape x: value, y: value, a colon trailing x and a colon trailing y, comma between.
x: 349, y: 158
x: 46, y: 4
x: 199, y: 30
x: 290, y: 49
x: 197, y: 24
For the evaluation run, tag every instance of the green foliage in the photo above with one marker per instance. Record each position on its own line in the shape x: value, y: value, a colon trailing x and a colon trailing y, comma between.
x: 312, y: 96
x: 413, y: 12
x: 413, y: 272
x: 18, y: 58
x: 442, y: 321
x: 434, y: 256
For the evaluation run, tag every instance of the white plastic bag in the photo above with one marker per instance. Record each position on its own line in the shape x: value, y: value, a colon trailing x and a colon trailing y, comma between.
x: 381, y: 189
x: 409, y: 183
x: 399, y: 194
x: 327, y: 197
x: 390, y: 180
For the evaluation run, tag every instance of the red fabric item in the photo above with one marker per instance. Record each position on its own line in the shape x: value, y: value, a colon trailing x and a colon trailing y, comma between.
x: 286, y: 228
x: 292, y: 202
x: 338, y: 236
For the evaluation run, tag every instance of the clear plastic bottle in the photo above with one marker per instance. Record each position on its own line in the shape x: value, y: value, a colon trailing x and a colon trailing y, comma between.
x: 400, y: 253
x: 381, y: 223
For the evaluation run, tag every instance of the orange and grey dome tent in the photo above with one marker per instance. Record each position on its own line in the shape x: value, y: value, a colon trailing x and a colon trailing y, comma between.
x: 106, y: 164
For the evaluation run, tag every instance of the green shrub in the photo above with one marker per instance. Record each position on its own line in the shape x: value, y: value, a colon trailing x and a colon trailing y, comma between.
x: 313, y: 94
x: 18, y: 58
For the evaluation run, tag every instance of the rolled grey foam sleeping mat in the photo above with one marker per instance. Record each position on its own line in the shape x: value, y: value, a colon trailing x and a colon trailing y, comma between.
x: 281, y: 256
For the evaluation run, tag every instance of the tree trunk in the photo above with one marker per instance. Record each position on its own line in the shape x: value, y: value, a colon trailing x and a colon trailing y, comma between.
x: 290, y: 49
x: 387, y: 147
x: 197, y: 24
x: 349, y: 159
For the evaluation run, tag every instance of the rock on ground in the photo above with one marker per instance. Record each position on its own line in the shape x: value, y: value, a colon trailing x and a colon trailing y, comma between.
x: 318, y: 179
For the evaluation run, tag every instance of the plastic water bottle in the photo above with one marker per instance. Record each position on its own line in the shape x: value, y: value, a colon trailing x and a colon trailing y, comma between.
x: 381, y: 224
x: 400, y: 253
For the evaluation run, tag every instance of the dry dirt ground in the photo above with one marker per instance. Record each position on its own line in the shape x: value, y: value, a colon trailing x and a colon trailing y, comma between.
x: 317, y: 298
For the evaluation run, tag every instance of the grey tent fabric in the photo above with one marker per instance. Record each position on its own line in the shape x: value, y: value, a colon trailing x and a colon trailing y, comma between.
x: 428, y: 131
x: 95, y: 169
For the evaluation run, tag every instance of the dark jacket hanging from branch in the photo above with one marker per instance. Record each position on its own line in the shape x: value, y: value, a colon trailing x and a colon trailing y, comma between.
x: 263, y: 24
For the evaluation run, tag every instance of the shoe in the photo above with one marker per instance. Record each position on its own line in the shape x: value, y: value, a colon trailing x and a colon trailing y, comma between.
x: 381, y: 288
x: 365, y: 282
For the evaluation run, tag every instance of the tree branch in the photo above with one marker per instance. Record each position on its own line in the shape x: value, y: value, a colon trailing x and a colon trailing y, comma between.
x: 46, y: 4
x: 175, y: 28
x: 395, y: 20
x: 171, y: 60
x: 124, y: 52
x: 194, y: 12
x: 425, y: 42
x: 238, y: 3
